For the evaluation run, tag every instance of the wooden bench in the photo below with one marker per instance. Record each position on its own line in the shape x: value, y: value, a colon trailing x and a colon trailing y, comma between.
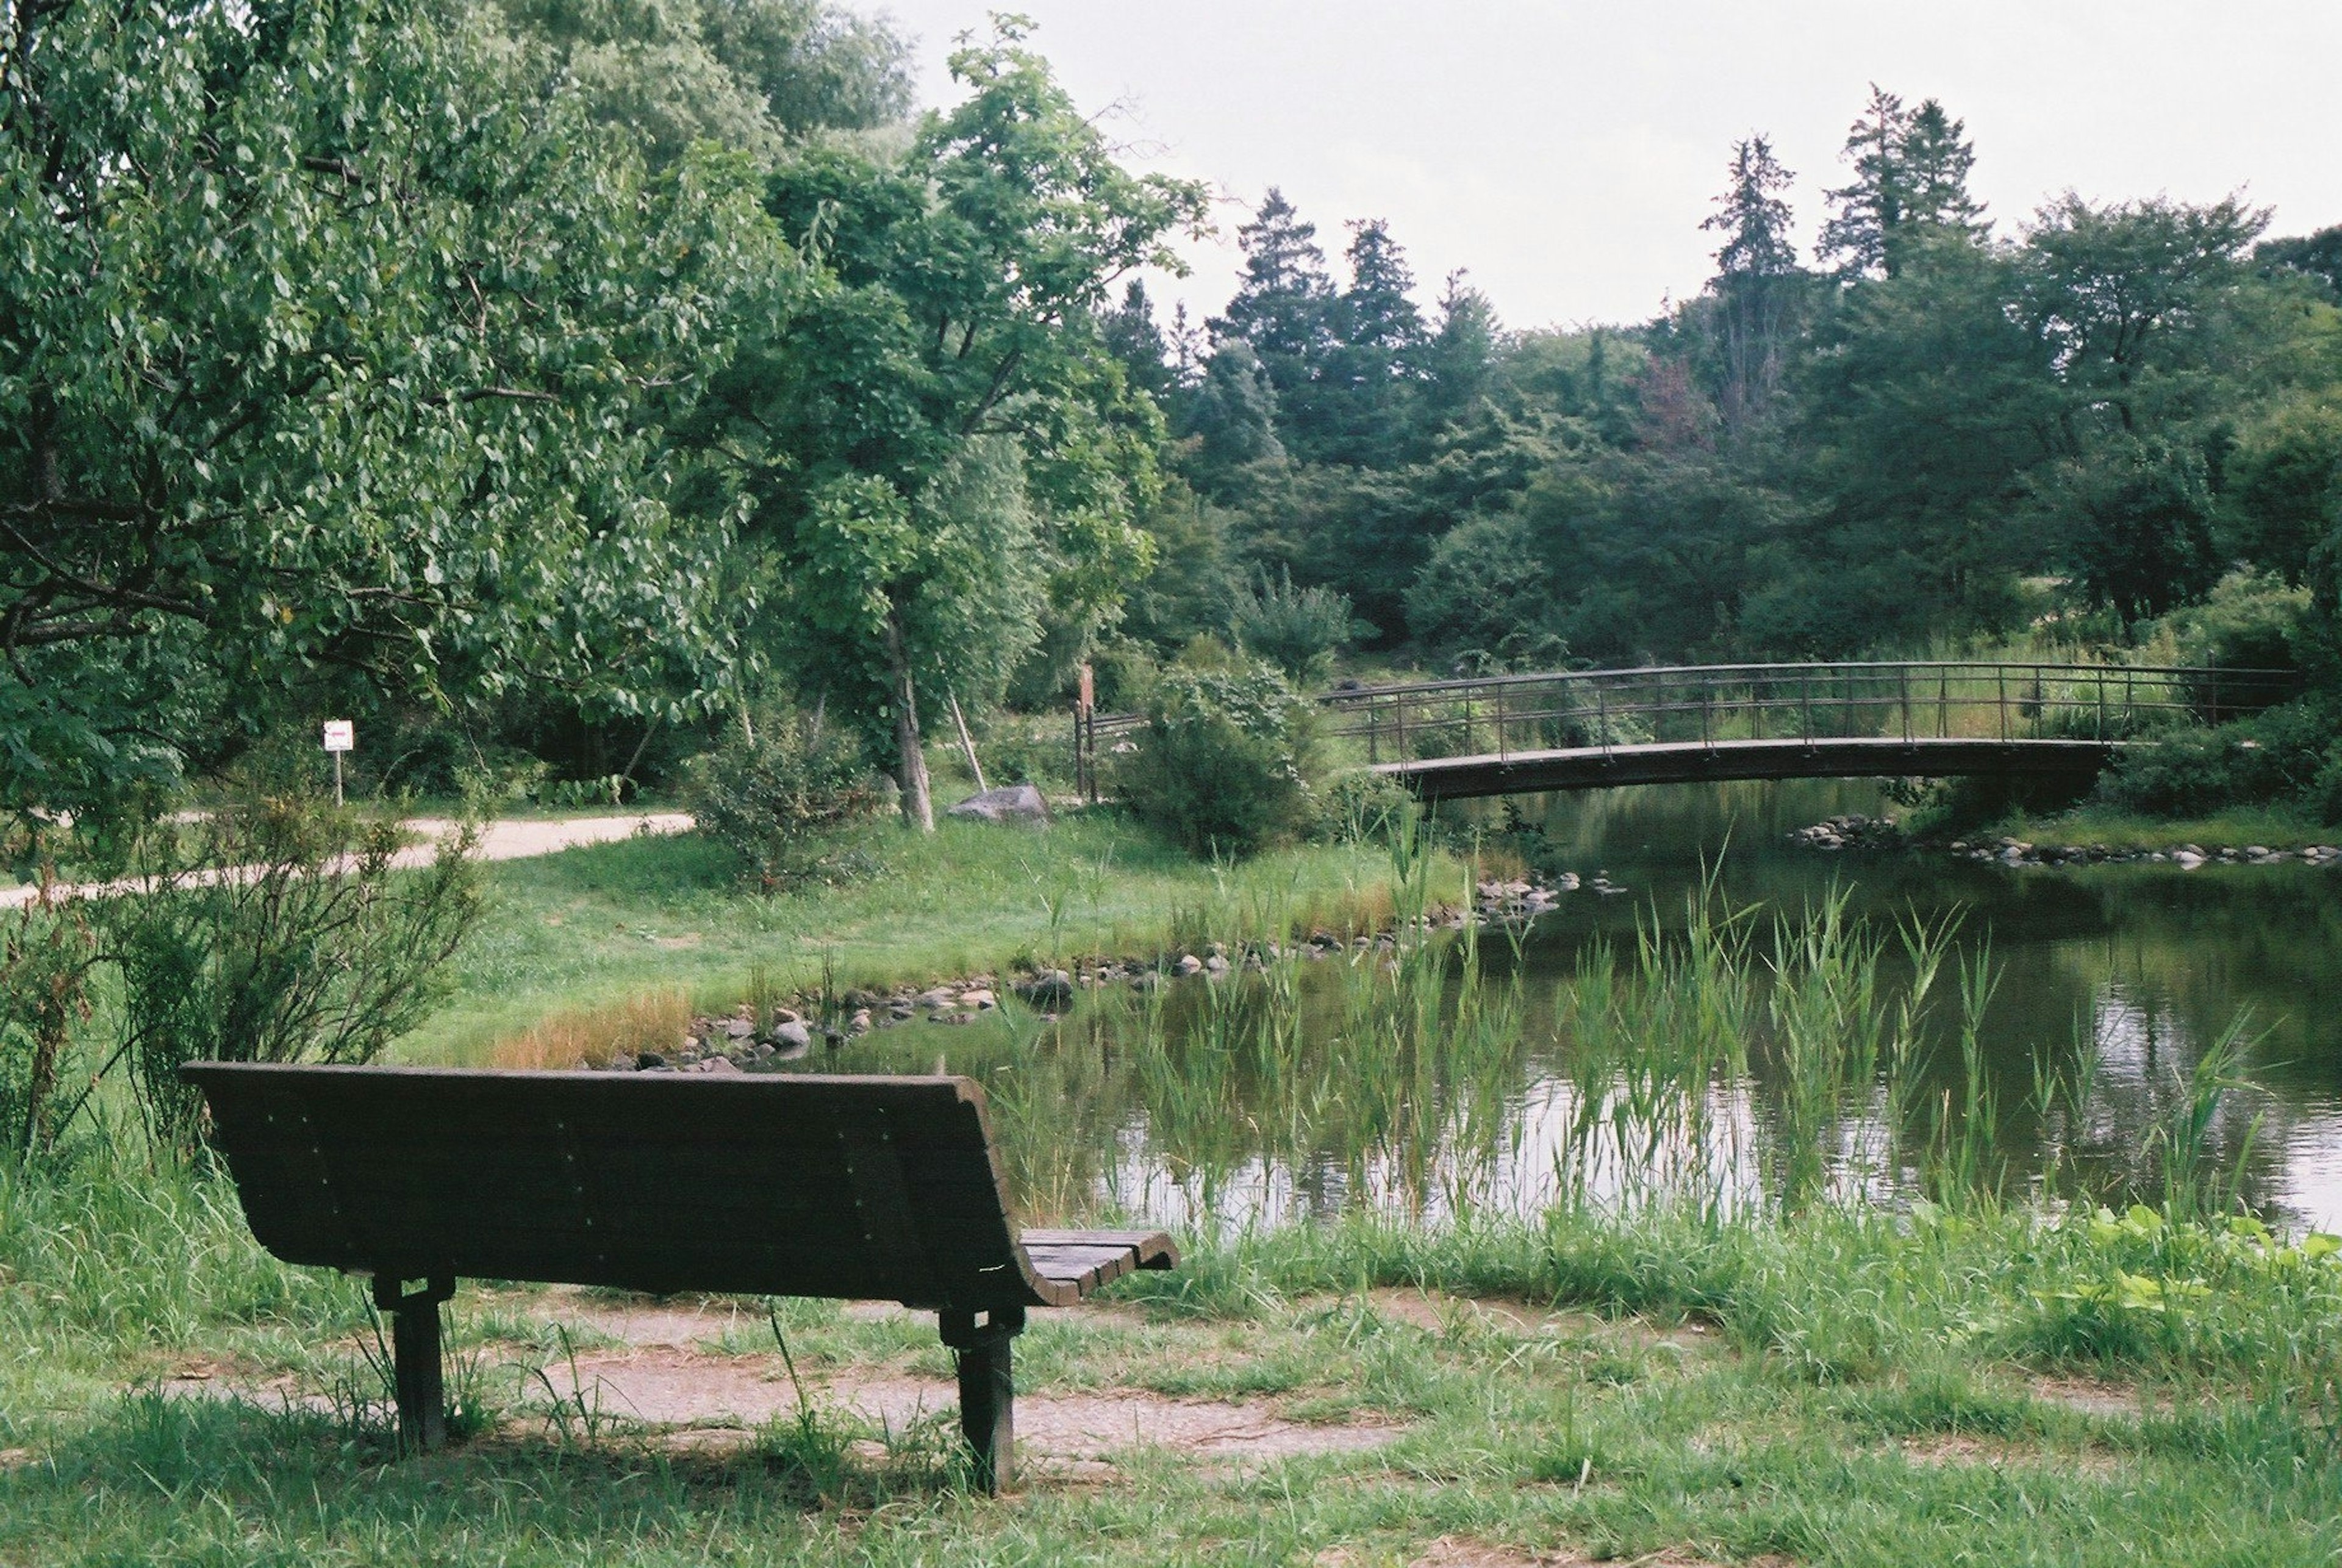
x: 856, y: 1188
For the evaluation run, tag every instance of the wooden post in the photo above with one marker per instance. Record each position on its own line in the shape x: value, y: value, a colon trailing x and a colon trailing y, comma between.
x: 966, y: 745
x: 987, y: 1388
x: 415, y: 1374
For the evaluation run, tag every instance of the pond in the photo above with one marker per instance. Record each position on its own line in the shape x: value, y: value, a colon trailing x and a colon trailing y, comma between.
x: 1461, y: 1074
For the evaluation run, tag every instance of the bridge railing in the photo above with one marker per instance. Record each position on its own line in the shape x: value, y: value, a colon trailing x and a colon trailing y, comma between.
x: 1506, y: 715
x: 1715, y: 704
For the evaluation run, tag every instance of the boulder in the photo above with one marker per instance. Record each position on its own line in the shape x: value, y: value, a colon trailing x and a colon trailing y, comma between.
x: 1048, y: 988
x: 792, y: 1035
x: 1017, y: 802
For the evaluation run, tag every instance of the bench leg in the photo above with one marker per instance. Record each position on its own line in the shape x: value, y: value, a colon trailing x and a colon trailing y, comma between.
x: 414, y: 1360
x: 987, y: 1388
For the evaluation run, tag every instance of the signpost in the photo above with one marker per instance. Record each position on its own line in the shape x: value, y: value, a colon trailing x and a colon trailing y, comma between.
x: 341, y: 735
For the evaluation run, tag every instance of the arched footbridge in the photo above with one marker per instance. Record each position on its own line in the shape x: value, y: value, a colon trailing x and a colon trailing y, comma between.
x: 1594, y: 729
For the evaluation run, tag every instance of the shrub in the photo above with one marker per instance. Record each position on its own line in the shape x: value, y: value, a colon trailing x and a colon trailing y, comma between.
x: 1224, y: 764
x: 1362, y: 807
x: 1299, y: 630
x: 2270, y: 757
x: 45, y: 958
x: 777, y: 800
x: 276, y: 930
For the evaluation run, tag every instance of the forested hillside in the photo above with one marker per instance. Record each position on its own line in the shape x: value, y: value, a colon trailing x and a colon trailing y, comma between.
x: 556, y: 387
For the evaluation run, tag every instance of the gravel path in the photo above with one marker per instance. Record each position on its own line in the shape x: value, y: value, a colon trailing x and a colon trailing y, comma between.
x: 517, y: 839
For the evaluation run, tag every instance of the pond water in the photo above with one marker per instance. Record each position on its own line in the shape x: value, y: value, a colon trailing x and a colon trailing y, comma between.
x: 1267, y: 1096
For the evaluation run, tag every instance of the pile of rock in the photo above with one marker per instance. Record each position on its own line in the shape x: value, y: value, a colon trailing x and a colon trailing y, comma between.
x: 1851, y: 832
x: 2006, y: 851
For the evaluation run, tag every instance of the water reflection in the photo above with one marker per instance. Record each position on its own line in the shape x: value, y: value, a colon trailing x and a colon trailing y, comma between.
x: 1429, y: 1081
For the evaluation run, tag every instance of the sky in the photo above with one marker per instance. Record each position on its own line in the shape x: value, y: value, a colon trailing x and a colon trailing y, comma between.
x: 1566, y: 151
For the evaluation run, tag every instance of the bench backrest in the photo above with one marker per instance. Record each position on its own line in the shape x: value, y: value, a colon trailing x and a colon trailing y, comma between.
x: 865, y: 1188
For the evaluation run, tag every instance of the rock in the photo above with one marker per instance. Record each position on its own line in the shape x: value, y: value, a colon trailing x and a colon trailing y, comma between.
x: 792, y: 1035
x: 980, y: 999
x: 739, y: 1028
x: 784, y: 1016
x: 1017, y: 803
x: 719, y: 1065
x: 1188, y: 963
x: 1215, y: 964
x: 860, y: 1023
x: 902, y: 1011
x: 1145, y: 980
x: 649, y: 1060
x: 939, y: 999
x: 2186, y: 860
x: 1048, y: 988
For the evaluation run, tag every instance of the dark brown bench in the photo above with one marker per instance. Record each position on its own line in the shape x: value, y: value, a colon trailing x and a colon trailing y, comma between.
x: 860, y: 1189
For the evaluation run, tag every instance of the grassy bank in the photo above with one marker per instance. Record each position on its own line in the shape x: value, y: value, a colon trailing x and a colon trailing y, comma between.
x: 589, y: 928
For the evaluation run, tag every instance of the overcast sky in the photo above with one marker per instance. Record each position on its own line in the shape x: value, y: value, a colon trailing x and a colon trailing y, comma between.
x: 1565, y: 151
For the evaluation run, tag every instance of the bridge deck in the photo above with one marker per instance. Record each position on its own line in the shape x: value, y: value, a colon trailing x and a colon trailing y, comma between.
x: 1684, y: 762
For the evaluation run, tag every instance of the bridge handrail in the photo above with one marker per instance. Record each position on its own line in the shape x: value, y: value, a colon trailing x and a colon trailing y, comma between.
x: 1511, y: 678
x: 2023, y: 692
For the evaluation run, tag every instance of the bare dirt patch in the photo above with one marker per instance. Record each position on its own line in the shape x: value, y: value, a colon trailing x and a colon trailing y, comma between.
x: 670, y: 1388
x: 1999, y: 1453
x: 17, y: 1458
x: 1436, y: 1312
x: 1463, y: 1552
x: 2090, y: 1395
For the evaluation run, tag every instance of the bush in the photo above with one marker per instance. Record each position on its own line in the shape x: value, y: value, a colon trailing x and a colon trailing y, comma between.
x: 2251, y: 621
x: 1224, y: 764
x: 777, y: 800
x: 46, y: 959
x: 276, y: 930
x: 1362, y: 807
x: 1299, y: 630
x: 2271, y: 757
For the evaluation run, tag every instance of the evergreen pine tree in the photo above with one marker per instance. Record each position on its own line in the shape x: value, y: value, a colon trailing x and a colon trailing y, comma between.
x: 1757, y: 281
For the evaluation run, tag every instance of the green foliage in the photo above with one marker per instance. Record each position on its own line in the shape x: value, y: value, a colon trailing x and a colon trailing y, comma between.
x: 1225, y: 764
x: 338, y: 351
x: 1299, y: 630
x: 47, y: 954
x: 2280, y: 755
x: 750, y: 73
x: 943, y: 453
x: 2250, y: 621
x: 776, y: 800
x: 276, y: 930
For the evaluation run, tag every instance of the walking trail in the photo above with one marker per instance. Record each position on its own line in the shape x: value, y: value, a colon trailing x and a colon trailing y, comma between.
x: 517, y: 839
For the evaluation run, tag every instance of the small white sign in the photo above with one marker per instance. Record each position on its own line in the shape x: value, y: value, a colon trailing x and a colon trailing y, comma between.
x: 341, y: 735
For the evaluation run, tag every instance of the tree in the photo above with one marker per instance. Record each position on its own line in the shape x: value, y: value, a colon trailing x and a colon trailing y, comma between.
x: 1459, y: 363
x: 1910, y: 185
x: 1374, y: 367
x: 1284, y: 309
x: 943, y: 451
x: 2137, y: 520
x: 750, y: 73
x: 1757, y: 281
x: 1132, y: 336
x: 1233, y: 419
x: 2133, y: 299
x: 333, y: 356
x: 2317, y: 257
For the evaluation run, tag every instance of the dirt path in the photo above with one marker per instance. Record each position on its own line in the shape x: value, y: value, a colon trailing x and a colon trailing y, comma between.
x: 517, y: 840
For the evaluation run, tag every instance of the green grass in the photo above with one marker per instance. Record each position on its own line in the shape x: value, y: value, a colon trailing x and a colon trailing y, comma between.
x: 589, y: 927
x: 1841, y: 1389
x: 1822, y: 1382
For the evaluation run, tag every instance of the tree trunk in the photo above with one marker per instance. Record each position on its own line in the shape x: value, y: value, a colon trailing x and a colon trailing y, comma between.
x: 918, y: 806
